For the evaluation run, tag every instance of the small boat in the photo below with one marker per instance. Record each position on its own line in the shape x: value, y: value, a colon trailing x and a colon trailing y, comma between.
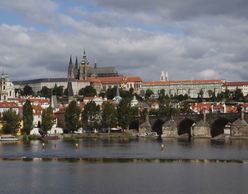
x: 8, y: 138
x: 148, y: 134
x: 49, y: 137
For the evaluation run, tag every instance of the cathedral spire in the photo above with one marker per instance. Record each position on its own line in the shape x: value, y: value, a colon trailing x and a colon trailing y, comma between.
x: 84, y: 55
x: 70, y: 74
x: 76, y: 69
x: 70, y: 60
x: 76, y: 63
x: 95, y: 65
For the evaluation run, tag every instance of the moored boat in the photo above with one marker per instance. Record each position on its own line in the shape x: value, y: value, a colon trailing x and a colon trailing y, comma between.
x: 8, y: 138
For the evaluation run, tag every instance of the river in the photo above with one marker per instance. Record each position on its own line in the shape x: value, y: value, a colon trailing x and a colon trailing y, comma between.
x: 62, y: 176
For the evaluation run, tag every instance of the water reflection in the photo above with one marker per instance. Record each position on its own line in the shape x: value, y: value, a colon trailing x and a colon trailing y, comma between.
x: 135, y: 148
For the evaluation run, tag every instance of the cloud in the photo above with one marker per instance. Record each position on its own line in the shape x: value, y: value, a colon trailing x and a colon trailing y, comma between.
x: 139, y: 40
x: 178, y: 9
x: 43, y: 12
x: 209, y: 74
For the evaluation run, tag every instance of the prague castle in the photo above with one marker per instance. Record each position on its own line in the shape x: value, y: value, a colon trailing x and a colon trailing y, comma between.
x: 82, y: 74
x: 84, y: 71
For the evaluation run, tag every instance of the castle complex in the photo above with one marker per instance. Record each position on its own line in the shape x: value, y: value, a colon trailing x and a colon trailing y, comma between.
x: 82, y: 74
x: 84, y: 71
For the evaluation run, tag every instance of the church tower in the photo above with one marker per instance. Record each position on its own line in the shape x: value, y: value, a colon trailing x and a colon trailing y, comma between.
x: 164, y: 76
x: 76, y: 70
x: 84, y: 69
x: 71, y: 68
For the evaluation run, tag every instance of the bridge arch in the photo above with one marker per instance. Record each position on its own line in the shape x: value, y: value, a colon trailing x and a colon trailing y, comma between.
x: 184, y: 126
x: 217, y: 127
x: 157, y: 126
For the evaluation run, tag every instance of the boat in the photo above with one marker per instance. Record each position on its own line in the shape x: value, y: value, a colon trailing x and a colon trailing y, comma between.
x: 49, y: 137
x: 148, y: 134
x: 8, y: 138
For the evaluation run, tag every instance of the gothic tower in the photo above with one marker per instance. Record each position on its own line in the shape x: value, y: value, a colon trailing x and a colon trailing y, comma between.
x: 71, y: 67
x: 76, y: 70
x: 84, y: 68
x: 164, y: 76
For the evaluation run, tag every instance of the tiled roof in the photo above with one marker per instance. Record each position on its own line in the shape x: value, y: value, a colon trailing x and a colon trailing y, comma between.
x: 184, y: 82
x: 8, y: 105
x: 236, y: 83
x: 134, y: 79
x: 34, y: 100
x: 108, y: 80
x: 115, y: 80
x: 37, y: 110
x: 33, y: 81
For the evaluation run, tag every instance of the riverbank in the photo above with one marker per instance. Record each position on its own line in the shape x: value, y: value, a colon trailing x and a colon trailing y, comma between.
x: 125, y: 160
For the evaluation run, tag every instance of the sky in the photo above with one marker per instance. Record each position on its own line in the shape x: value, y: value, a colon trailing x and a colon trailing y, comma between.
x: 193, y: 39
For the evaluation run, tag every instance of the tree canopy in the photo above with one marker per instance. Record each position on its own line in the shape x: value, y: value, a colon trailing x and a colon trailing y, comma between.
x: 47, y: 119
x: 91, y: 115
x: 109, y: 115
x: 45, y: 92
x: 58, y: 90
x: 11, y: 121
x: 88, y: 91
x: 125, y: 113
x: 27, y: 117
x: 72, y: 115
x: 27, y: 90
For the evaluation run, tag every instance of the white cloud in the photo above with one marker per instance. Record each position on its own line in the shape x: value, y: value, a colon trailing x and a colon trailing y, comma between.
x: 35, y: 10
x: 215, y: 45
x: 209, y: 74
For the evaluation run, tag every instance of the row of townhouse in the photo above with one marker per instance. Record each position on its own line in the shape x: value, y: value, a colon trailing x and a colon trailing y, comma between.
x: 16, y: 104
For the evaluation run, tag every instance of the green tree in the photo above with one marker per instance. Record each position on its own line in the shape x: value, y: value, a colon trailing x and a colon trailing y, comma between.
x: 72, y: 115
x: 66, y: 92
x: 11, y: 121
x: 200, y: 95
x: 27, y: 117
x: 148, y: 93
x: 88, y: 91
x: 111, y: 93
x: 45, y: 92
x: 27, y: 90
x: 91, y: 115
x: 185, y: 108
x: 109, y: 115
x: 58, y: 90
x: 125, y: 114
x: 126, y: 94
x: 238, y: 95
x: 47, y: 119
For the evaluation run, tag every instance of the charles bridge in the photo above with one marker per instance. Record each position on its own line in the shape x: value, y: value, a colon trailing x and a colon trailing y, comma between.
x: 197, y: 125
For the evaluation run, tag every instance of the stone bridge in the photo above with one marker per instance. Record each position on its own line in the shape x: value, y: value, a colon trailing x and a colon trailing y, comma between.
x: 198, y: 125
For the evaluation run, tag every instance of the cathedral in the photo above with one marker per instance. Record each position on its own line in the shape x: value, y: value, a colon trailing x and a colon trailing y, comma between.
x: 84, y: 70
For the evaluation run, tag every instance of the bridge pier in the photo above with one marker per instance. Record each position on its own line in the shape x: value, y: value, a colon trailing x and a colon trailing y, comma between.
x: 201, y: 130
x: 169, y: 129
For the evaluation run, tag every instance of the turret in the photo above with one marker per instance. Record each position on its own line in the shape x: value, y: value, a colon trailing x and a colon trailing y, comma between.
x: 70, y: 74
x: 76, y: 69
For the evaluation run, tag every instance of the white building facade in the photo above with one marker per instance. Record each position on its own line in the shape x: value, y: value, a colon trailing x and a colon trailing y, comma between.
x: 7, y: 89
x: 181, y: 87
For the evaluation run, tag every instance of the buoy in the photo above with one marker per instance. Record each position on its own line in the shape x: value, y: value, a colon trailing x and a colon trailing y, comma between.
x: 76, y: 145
x: 162, y: 146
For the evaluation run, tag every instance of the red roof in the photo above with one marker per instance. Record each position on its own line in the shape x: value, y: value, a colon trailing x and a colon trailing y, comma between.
x: 115, y: 80
x: 34, y: 100
x: 37, y: 110
x: 236, y: 83
x: 134, y: 79
x: 184, y: 82
x: 107, y: 80
x: 8, y: 105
